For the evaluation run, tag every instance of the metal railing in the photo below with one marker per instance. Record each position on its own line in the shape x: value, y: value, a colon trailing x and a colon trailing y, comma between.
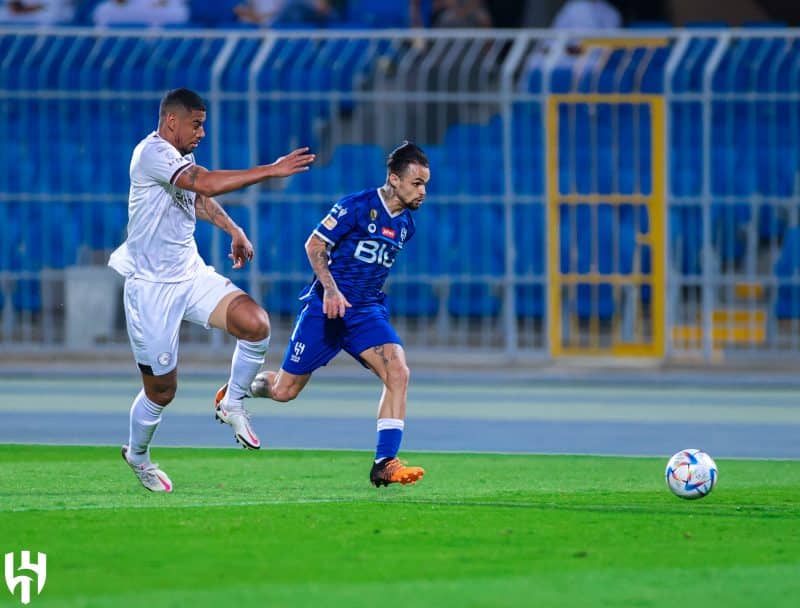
x: 532, y: 223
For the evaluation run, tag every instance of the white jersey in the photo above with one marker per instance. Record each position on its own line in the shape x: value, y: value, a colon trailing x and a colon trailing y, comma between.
x: 161, y: 217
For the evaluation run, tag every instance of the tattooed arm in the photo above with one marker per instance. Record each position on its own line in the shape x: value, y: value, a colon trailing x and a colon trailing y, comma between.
x: 210, y: 210
x: 333, y: 301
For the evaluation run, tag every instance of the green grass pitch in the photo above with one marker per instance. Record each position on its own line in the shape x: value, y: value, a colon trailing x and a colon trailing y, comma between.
x: 304, y: 528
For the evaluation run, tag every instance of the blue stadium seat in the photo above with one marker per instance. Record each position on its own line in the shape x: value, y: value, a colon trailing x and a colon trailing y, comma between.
x: 529, y: 262
x: 727, y: 223
x: 473, y: 300
x: 28, y: 295
x: 359, y: 166
x: 280, y: 297
x: 600, y: 239
x: 203, y: 236
x: 787, y: 267
x: 9, y: 235
x: 379, y: 14
x: 477, y: 248
x: 530, y: 301
x: 686, y: 238
x: 412, y: 299
x: 214, y: 14
x: 529, y: 224
x: 103, y: 224
x: 283, y: 229
x: 430, y: 249
x: 527, y: 138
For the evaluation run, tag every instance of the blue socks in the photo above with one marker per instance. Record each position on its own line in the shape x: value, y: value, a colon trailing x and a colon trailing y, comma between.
x: 390, y: 434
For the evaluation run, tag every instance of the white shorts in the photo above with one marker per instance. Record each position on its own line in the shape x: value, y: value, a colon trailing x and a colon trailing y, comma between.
x: 154, y: 312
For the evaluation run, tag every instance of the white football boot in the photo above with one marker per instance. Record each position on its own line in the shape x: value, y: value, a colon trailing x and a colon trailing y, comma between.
x: 238, y: 419
x: 148, y: 473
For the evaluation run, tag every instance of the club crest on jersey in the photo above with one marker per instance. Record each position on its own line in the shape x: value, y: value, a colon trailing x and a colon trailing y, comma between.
x: 373, y: 214
x: 342, y: 212
x: 183, y: 200
x: 403, y: 234
x: 388, y: 232
x: 329, y: 222
x: 298, y: 349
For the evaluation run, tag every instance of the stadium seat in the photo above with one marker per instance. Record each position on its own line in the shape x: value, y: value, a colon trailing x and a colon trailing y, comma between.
x: 787, y: 270
x: 280, y: 297
x: 686, y: 238
x: 727, y: 225
x: 379, y: 14
x: 358, y: 166
x: 598, y: 239
x: 215, y: 14
x: 412, y: 299
x: 203, y: 236
x: 27, y: 296
x: 474, y: 300
x: 530, y: 301
x: 477, y: 249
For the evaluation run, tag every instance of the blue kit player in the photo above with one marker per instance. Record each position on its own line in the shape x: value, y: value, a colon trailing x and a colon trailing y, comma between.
x: 351, y: 251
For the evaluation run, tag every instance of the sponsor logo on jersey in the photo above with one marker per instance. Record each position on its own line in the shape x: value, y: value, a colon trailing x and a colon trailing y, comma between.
x: 375, y: 252
x: 342, y: 212
x: 388, y: 232
x: 329, y: 222
x: 372, y: 228
x: 403, y: 234
x: 373, y: 214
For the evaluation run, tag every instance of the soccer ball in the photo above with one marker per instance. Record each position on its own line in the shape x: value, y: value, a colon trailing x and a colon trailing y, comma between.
x: 691, y: 474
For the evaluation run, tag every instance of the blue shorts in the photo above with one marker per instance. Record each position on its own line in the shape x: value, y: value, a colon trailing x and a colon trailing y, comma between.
x: 316, y: 339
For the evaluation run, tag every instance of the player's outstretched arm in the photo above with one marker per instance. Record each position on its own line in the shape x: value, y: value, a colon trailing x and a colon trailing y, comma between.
x: 334, y: 303
x: 210, y: 210
x: 212, y: 183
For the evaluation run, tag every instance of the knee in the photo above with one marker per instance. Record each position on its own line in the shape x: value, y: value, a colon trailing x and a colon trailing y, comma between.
x: 249, y: 323
x: 398, y: 376
x: 260, y: 329
x: 161, y: 395
x: 256, y: 327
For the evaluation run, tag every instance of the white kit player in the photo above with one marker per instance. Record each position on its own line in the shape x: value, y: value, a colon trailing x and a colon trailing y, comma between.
x: 167, y: 282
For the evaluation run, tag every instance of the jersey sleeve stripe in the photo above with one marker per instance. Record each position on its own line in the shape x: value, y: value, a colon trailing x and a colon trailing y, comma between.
x: 323, y: 237
x: 177, y: 173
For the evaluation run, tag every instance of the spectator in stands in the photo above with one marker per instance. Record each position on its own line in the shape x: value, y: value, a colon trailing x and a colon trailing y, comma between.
x: 460, y: 13
x: 259, y: 12
x: 44, y: 12
x: 587, y: 15
x: 420, y: 13
x: 151, y: 12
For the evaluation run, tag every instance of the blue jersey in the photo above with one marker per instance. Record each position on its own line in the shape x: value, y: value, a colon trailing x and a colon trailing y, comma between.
x: 364, y: 239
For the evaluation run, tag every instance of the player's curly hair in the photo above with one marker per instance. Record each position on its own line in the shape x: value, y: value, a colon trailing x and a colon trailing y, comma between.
x: 180, y: 98
x: 405, y: 154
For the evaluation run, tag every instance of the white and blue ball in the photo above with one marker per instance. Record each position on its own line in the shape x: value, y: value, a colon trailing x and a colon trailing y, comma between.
x: 691, y: 474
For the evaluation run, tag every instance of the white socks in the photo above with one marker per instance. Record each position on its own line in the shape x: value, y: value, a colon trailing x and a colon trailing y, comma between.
x: 248, y: 357
x: 145, y: 416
